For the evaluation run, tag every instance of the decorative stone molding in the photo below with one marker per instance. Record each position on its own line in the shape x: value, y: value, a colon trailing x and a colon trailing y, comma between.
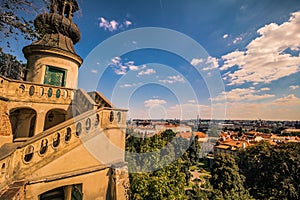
x: 5, y: 125
x: 121, y: 180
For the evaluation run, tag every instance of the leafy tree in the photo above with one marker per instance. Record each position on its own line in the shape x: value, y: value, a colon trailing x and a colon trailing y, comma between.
x: 194, y: 151
x: 168, y: 135
x: 272, y: 172
x: 12, y: 20
x: 226, y: 180
x: 166, y: 183
x: 200, y: 193
x: 10, y: 67
x: 14, y: 25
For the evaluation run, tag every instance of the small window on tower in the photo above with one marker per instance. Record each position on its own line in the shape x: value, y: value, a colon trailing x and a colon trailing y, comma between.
x: 55, y: 76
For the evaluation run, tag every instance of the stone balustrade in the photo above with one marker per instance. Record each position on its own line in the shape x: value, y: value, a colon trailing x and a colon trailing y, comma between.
x: 56, y: 141
x: 31, y: 92
x: 83, y: 101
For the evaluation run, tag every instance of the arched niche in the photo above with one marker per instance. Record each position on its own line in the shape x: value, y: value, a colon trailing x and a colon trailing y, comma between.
x: 54, y: 117
x: 23, y: 121
x: 63, y: 193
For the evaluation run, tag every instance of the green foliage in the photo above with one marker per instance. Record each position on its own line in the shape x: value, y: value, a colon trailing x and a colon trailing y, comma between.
x: 12, y: 20
x: 213, y: 131
x: 263, y: 171
x: 226, y: 180
x: 264, y: 130
x: 194, y: 151
x: 199, y: 193
x: 193, y: 168
x: 166, y: 183
x: 272, y: 172
x: 290, y: 134
x: 170, y: 180
x: 10, y: 67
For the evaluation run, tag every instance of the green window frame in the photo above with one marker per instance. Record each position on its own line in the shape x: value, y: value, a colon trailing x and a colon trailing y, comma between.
x: 55, y: 76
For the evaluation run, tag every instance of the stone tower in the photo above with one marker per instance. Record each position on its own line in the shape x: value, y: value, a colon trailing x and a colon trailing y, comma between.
x: 52, y: 59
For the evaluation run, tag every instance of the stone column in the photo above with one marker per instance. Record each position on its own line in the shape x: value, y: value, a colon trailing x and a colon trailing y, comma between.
x: 121, y: 181
x: 40, y: 120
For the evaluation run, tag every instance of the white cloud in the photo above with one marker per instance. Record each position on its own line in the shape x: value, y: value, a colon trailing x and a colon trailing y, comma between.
x: 108, y: 25
x: 240, y: 94
x: 94, y: 71
x: 243, y: 7
x: 294, y: 87
x: 121, y: 68
x: 153, y: 102
x: 236, y: 40
x: 120, y: 71
x: 144, y: 66
x: 192, y: 101
x: 285, y: 108
x: 146, y: 72
x: 133, y: 67
x: 129, y: 85
x: 225, y: 36
x: 290, y: 99
x: 116, y: 60
x: 128, y: 23
x: 264, y: 89
x: 173, y: 79
x: 211, y: 63
x: 265, y: 59
x: 233, y: 58
x: 196, y: 61
x: 113, y: 25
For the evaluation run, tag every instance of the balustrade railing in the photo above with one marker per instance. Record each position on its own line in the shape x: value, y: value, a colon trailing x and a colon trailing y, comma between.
x: 57, y: 140
x: 83, y: 101
x: 100, y: 100
x: 32, y: 92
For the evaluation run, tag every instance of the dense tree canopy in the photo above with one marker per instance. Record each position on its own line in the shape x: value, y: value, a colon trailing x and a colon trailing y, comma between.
x: 226, y: 180
x: 272, y: 172
x: 266, y: 171
x: 10, y: 67
x: 174, y: 155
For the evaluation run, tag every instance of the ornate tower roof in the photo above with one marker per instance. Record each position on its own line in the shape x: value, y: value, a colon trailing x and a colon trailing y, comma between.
x: 56, y: 28
x: 52, y: 59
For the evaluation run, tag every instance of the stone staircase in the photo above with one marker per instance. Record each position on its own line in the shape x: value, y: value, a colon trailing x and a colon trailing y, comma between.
x: 19, y: 160
x: 94, y: 115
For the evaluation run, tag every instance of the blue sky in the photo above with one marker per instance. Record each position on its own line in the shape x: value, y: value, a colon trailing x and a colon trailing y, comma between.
x: 248, y: 67
x: 252, y: 45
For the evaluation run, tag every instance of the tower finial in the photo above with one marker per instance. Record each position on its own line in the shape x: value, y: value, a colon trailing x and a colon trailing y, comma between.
x: 56, y: 28
x: 64, y: 7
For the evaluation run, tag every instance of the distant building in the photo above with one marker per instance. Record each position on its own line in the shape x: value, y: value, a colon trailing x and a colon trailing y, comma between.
x: 289, y: 130
x: 230, y: 143
x: 202, y: 137
x: 230, y: 146
x: 176, y: 128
